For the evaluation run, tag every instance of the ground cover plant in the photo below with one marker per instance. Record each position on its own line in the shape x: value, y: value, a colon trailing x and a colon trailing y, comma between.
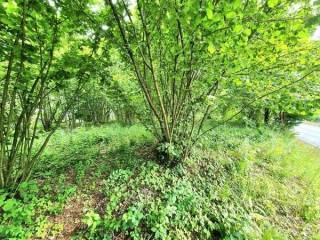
x: 159, y: 119
x: 95, y: 183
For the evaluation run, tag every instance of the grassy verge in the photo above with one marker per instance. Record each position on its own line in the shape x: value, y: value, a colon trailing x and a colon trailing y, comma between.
x: 103, y: 183
x: 314, y: 123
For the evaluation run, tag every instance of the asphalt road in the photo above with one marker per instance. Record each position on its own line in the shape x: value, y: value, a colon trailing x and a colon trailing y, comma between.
x: 308, y: 133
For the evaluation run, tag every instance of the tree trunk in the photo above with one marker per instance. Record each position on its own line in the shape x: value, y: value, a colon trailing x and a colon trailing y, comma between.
x: 282, y: 117
x: 266, y: 115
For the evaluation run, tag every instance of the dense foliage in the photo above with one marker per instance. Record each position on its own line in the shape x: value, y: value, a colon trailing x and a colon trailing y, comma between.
x: 95, y: 183
x: 191, y: 57
x: 180, y: 64
x: 158, y: 119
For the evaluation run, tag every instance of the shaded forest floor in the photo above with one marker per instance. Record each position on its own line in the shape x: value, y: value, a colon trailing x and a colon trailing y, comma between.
x: 104, y: 183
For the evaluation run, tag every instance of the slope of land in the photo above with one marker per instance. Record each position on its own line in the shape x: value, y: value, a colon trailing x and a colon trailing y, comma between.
x: 104, y: 183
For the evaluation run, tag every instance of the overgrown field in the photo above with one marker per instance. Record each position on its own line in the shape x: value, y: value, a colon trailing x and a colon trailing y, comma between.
x: 104, y: 183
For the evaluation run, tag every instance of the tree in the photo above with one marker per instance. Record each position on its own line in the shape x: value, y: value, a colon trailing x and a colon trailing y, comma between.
x: 33, y: 34
x: 191, y: 56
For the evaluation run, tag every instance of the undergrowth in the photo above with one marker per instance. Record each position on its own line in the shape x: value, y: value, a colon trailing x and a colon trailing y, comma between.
x: 240, y: 183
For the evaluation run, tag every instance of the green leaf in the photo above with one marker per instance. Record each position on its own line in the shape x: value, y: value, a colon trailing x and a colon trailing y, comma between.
x: 231, y: 15
x: 236, y: 4
x: 2, y: 199
x: 238, y: 28
x: 211, y: 48
x: 6, y: 21
x: 11, y: 7
x: 9, y: 205
x: 247, y: 31
x: 216, y: 18
x: 209, y: 13
x: 273, y: 3
x: 302, y: 35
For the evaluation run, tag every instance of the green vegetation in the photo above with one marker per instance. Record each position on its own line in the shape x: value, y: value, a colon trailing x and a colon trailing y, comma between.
x: 103, y: 183
x: 159, y: 119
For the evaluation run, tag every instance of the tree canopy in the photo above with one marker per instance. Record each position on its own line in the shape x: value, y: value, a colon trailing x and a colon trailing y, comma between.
x: 173, y: 66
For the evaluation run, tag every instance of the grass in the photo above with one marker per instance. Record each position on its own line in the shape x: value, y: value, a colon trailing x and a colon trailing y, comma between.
x: 315, y: 123
x: 103, y: 183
